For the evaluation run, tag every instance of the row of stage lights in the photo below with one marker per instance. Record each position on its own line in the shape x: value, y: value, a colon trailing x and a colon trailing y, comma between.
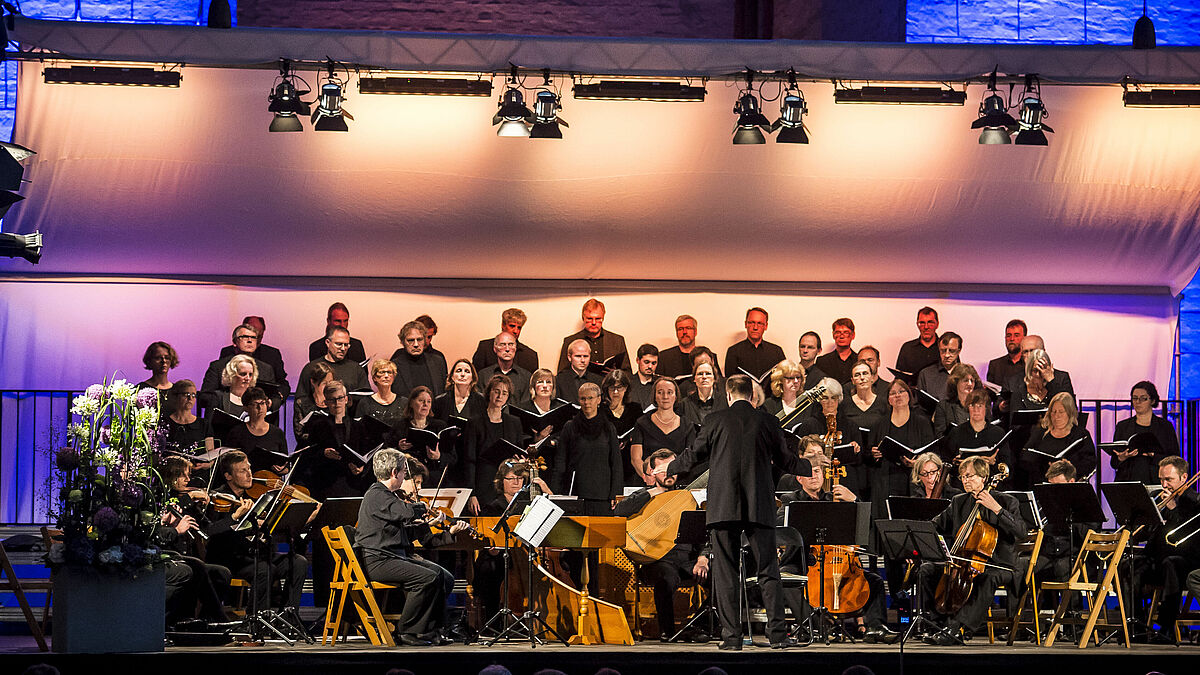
x: 515, y: 119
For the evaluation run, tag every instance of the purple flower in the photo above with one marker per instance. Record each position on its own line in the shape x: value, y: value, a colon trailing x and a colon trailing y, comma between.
x: 94, y: 392
x: 147, y: 398
x: 106, y: 519
x: 66, y: 459
x: 131, y: 495
x: 133, y: 554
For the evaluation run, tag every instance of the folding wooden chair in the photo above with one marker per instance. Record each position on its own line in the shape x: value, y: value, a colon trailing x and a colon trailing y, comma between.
x: 1104, y: 552
x: 350, y: 583
x: 1033, y: 548
x: 17, y: 587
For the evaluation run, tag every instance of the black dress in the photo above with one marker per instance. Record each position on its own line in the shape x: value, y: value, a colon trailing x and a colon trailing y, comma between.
x: 647, y: 434
x: 1144, y: 467
x: 186, y: 437
x: 445, y: 407
x: 389, y: 414
x: 259, y: 448
x: 483, y: 456
x: 887, y: 478
x: 1082, y: 455
x: 447, y: 451
x: 625, y: 426
x: 327, y: 477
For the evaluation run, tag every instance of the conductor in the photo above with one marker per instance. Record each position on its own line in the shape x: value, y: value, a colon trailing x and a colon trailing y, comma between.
x: 740, y: 443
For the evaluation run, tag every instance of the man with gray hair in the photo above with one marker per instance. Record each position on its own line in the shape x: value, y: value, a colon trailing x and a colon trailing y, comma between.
x: 512, y: 321
x: 677, y: 360
x: 504, y: 346
x: 417, y: 366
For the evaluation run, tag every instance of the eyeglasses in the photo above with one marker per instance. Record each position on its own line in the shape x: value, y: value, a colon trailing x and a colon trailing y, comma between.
x: 931, y: 472
x: 187, y: 394
x: 335, y: 399
x: 1139, y: 399
x: 792, y: 377
x: 246, y: 337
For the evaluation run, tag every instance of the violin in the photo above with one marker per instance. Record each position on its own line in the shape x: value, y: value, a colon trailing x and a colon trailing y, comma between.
x: 969, y: 556
x: 222, y: 502
x: 266, y: 481
x: 439, y: 517
x: 839, y: 583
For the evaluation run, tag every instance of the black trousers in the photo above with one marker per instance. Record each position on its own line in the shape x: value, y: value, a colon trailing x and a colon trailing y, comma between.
x: 288, y: 569
x: 190, y: 581
x: 425, y: 585
x: 1172, y: 573
x: 727, y: 583
x: 665, y: 576
x: 974, y: 613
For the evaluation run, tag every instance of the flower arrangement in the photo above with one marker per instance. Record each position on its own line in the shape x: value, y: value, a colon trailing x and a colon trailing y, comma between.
x: 105, y: 488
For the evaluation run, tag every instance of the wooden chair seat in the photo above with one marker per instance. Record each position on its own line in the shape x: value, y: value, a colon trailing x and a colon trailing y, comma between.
x: 17, y: 586
x: 350, y: 582
x: 1103, y: 551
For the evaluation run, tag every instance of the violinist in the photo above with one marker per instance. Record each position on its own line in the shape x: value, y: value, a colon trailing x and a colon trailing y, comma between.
x: 929, y: 478
x: 682, y: 563
x: 1166, y: 565
x: 996, y: 509
x: 235, y: 549
x: 263, y: 442
x: 190, y: 580
x: 870, y: 625
x: 389, y: 520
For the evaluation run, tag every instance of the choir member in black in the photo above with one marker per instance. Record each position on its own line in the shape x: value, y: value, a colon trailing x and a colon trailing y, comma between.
x: 810, y: 349
x: 190, y: 580
x: 1041, y: 379
x: 867, y: 405
x: 263, y: 442
x: 384, y: 405
x: 677, y: 360
x: 740, y: 444
x: 838, y: 362
x: 856, y: 479
x: 345, y: 369
x: 951, y: 411
x: 995, y: 508
x: 905, y: 425
x: 797, y: 560
x: 617, y: 408
x: 705, y: 397
x: 510, y: 479
x: 338, y: 316
x: 1059, y: 430
x: 389, y: 520
x: 185, y: 432
x: 641, y: 391
x: 787, y: 383
x: 1165, y: 565
x: 932, y: 379
x: 415, y: 365
x: 327, y: 469
x: 235, y: 550
x: 660, y: 429
x: 684, y: 562
x: 159, y: 359
x: 245, y: 345
x: 542, y: 389
x: 977, y: 432
x: 870, y: 355
x: 922, y: 350
x: 754, y: 355
x: 588, y: 461
x: 569, y: 379
x: 264, y: 353
x: 484, y: 450
x: 460, y: 398
x: 687, y: 385
x: 512, y: 320
x: 438, y: 457
x: 505, y: 349
x: 603, y: 344
x: 1137, y: 464
x: 431, y: 330
x: 1002, y: 369
x: 929, y: 479
x: 308, y: 406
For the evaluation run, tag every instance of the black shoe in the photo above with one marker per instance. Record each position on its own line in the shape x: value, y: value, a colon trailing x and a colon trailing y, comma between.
x: 734, y: 645
x: 944, y: 638
x: 410, y: 640
x: 695, y: 635
x: 882, y: 635
x: 785, y: 643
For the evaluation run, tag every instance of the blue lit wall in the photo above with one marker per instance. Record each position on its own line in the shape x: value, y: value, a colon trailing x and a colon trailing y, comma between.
x: 1049, y: 21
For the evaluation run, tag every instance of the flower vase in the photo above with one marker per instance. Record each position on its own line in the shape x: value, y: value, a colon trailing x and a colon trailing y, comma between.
x: 104, y: 612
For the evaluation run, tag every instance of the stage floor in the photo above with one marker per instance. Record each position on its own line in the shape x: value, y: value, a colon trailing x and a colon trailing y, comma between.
x: 976, y: 658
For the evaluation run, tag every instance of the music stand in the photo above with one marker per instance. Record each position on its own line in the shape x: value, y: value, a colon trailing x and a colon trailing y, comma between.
x: 1067, y: 504
x: 505, y: 615
x: 916, y: 541
x: 915, y: 508
x: 827, y: 524
x: 1134, y: 510
x: 693, y: 531
x: 282, y: 520
x: 531, y: 530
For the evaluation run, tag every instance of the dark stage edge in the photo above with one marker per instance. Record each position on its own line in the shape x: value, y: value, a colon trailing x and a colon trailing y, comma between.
x: 645, y: 658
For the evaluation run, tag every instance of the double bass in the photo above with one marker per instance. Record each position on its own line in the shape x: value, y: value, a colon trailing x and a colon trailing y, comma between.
x: 971, y: 553
x: 840, y: 582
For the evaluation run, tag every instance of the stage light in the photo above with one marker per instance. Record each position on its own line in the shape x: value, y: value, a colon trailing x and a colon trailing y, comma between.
x: 112, y: 75
x: 285, y: 100
x: 431, y: 86
x: 1143, y: 31
x: 330, y: 115
x: 901, y: 95
x: 751, y: 123
x: 1162, y: 98
x: 635, y: 90
x: 792, y: 109
x: 512, y: 111
x: 545, y: 120
x: 994, y: 119
x: 1031, y: 129
x: 11, y: 174
x: 27, y: 246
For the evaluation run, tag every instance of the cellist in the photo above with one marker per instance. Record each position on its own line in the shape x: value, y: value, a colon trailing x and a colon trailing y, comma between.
x: 681, y: 563
x: 996, y: 509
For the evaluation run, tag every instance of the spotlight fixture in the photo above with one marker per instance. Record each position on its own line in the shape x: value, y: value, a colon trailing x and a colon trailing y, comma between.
x: 1158, y: 98
x: 1143, y: 31
x: 545, y: 120
x: 901, y: 95
x: 1030, y: 129
x: 27, y: 246
x: 637, y: 90
x: 751, y: 123
x: 114, y: 75
x: 792, y: 109
x: 329, y: 115
x: 424, y: 85
x: 994, y: 119
x: 285, y: 100
x: 11, y: 174
x: 512, y: 111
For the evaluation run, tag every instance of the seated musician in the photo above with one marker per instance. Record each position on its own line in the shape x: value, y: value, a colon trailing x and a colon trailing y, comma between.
x: 682, y: 563
x: 809, y: 447
x: 1057, y: 552
x: 389, y: 521
x: 1166, y: 565
x: 236, y: 549
x: 929, y: 480
x: 191, y: 582
x: 510, y: 481
x: 996, y: 509
x: 870, y: 622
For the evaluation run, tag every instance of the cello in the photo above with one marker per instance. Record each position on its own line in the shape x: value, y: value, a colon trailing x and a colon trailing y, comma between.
x: 839, y: 580
x: 973, y: 548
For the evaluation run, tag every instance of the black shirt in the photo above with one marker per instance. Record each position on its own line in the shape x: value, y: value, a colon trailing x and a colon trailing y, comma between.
x: 385, y: 525
x: 672, y: 362
x: 1082, y: 456
x: 258, y: 448
x: 647, y: 434
x: 186, y: 437
x: 428, y: 369
x: 389, y: 414
x: 518, y: 375
x: 604, y: 346
x: 272, y: 357
x: 914, y: 356
x: 835, y: 367
x: 484, y: 455
x: 485, y: 356
x: 754, y: 360
x: 355, y: 353
x: 567, y: 384
x: 886, y: 478
x: 347, y: 371
x: 1001, y: 370
x: 965, y: 436
x: 587, y: 450
x: 1143, y: 467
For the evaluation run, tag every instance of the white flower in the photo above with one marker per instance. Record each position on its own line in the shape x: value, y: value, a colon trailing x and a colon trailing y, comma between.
x: 80, y: 430
x: 145, y: 417
x: 121, y: 389
x: 106, y: 456
x: 84, y: 406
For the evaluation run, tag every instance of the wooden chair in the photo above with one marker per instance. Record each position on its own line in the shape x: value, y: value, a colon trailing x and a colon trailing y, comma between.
x: 50, y: 537
x: 350, y: 583
x: 1032, y: 547
x: 17, y: 586
x: 237, y: 606
x: 1104, y: 551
